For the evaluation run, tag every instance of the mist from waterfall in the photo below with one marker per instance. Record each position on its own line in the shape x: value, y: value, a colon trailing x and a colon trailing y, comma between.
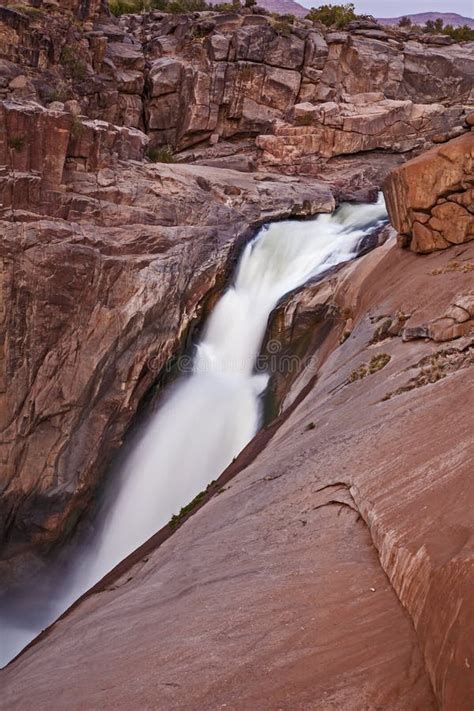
x: 208, y: 416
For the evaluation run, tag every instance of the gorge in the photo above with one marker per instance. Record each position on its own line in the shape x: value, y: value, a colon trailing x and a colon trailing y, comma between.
x: 207, y: 419
x: 152, y: 168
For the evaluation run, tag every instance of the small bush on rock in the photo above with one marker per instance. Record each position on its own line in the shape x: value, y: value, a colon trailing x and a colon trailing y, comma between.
x: 333, y: 15
x: 73, y: 64
x: 377, y: 362
x: 163, y: 154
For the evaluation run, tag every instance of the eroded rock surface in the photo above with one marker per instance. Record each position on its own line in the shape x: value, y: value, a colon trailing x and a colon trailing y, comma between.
x: 298, y: 94
x: 281, y: 571
x: 431, y: 198
x: 106, y: 260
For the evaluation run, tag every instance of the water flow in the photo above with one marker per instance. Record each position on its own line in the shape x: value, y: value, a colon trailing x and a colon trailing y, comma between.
x: 211, y: 414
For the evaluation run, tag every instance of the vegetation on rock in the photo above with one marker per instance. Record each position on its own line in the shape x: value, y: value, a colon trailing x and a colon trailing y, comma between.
x: 333, y: 15
x: 377, y: 362
x: 463, y: 33
x: 164, y: 154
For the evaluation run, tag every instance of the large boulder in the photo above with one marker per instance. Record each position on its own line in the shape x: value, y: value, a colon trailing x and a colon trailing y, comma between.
x: 430, y: 198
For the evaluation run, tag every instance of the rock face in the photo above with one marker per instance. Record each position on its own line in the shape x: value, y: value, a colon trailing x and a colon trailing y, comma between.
x: 82, y: 104
x: 431, y: 198
x: 103, y: 269
x: 332, y: 562
x: 337, y: 558
x: 302, y: 94
x: 82, y: 9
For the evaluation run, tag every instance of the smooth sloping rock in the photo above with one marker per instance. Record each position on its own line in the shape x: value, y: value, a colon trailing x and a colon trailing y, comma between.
x: 279, y: 573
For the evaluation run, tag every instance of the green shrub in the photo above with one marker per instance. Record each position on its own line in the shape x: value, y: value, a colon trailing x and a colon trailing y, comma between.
x: 177, y: 518
x: 181, y: 6
x: 333, y: 15
x: 163, y: 154
x: 283, y: 24
x: 130, y: 7
x: 59, y: 92
x: 459, y: 34
x: 77, y: 127
x: 405, y: 22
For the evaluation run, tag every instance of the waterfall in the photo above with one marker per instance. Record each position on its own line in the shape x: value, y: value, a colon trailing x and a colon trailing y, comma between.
x: 211, y: 413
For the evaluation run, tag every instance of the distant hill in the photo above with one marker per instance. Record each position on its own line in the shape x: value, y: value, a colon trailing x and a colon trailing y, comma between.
x: 449, y: 18
x: 284, y: 7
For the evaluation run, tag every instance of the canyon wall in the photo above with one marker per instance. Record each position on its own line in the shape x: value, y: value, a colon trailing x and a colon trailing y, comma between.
x: 338, y: 559
x: 106, y: 261
x: 350, y: 583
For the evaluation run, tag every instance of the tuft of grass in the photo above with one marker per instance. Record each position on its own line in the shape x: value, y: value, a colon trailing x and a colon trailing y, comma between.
x: 310, y: 426
x: 58, y: 93
x: 375, y: 364
x: 163, y: 154
x: 304, y: 120
x: 378, y: 362
x: 25, y: 9
x: 246, y: 71
x: 283, y: 24
x: 176, y: 519
x: 17, y: 143
x: 77, y: 127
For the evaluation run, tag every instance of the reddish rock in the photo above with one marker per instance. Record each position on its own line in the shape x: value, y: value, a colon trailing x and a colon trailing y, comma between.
x: 424, y: 184
x: 337, y: 561
x: 78, y: 338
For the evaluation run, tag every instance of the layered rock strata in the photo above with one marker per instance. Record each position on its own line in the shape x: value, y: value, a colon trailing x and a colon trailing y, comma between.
x: 303, y: 94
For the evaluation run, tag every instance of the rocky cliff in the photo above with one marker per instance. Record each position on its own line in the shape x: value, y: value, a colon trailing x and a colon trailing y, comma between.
x: 96, y: 235
x: 135, y: 160
x: 337, y: 557
x: 431, y: 199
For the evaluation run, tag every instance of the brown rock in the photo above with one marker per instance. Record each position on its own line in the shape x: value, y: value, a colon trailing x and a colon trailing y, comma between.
x: 466, y: 302
x: 119, y: 229
x: 165, y: 76
x: 453, y: 221
x: 426, y: 239
x: 322, y: 514
x: 458, y: 314
x: 446, y: 329
x: 422, y: 184
x: 18, y: 82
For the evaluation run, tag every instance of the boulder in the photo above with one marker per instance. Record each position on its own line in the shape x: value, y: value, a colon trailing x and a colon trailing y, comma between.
x: 422, y: 185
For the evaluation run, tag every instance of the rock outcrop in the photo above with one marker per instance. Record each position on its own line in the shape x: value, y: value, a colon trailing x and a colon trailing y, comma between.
x: 337, y: 558
x: 338, y: 562
x: 302, y: 94
x: 106, y: 260
x: 431, y: 198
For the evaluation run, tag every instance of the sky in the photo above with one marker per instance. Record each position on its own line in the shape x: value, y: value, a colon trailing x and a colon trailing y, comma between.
x: 395, y: 8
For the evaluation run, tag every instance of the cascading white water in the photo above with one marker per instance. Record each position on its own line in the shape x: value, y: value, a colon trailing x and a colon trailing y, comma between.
x: 212, y: 413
